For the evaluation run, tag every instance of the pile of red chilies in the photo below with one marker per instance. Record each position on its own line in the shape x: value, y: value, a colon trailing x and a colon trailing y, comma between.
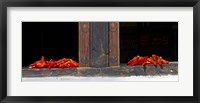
x: 68, y: 63
x: 142, y: 60
x: 61, y: 63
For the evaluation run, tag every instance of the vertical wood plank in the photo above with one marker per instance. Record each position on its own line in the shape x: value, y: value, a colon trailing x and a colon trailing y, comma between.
x: 84, y: 44
x: 99, y: 44
x: 114, y: 44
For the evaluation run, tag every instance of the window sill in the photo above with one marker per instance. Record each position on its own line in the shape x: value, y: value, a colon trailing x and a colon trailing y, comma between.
x: 118, y: 71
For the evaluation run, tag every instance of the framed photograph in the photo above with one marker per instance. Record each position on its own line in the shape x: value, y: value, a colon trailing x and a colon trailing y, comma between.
x: 92, y: 51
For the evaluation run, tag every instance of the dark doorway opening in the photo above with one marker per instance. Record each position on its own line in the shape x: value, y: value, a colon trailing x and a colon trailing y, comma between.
x: 53, y: 40
x: 147, y: 38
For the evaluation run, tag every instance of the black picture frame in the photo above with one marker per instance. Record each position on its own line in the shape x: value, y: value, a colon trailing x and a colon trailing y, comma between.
x: 98, y: 3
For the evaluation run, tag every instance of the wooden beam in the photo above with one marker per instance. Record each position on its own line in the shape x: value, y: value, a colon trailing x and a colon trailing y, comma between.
x: 99, y: 44
x: 114, y: 44
x: 84, y: 44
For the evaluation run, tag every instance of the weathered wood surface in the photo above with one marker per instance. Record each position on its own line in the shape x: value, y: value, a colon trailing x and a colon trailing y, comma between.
x: 122, y: 71
x: 114, y: 44
x: 48, y: 72
x: 151, y: 69
x: 84, y: 44
x: 99, y: 44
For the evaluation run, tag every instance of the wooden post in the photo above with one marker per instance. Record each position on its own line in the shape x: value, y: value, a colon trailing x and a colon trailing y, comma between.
x: 114, y: 44
x: 99, y: 44
x: 84, y: 44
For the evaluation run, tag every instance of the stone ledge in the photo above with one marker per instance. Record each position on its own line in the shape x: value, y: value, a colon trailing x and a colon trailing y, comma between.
x: 120, y: 71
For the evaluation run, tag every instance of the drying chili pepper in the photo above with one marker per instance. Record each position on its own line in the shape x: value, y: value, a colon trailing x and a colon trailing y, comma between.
x: 52, y: 64
x: 164, y: 61
x: 159, y: 61
x: 61, y: 63
x: 74, y: 63
x: 65, y: 65
x: 155, y: 57
x: 138, y: 60
x: 151, y: 60
x: 147, y: 62
x: 133, y: 61
x: 142, y: 60
x: 39, y: 64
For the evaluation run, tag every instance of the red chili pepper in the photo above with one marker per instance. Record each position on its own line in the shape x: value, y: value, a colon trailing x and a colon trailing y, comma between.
x: 164, y: 61
x: 61, y: 63
x: 74, y: 63
x: 151, y: 60
x: 133, y: 61
x: 39, y: 64
x: 142, y: 60
x: 154, y: 56
x: 52, y: 64
x: 147, y: 62
x: 139, y: 60
x: 159, y: 61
